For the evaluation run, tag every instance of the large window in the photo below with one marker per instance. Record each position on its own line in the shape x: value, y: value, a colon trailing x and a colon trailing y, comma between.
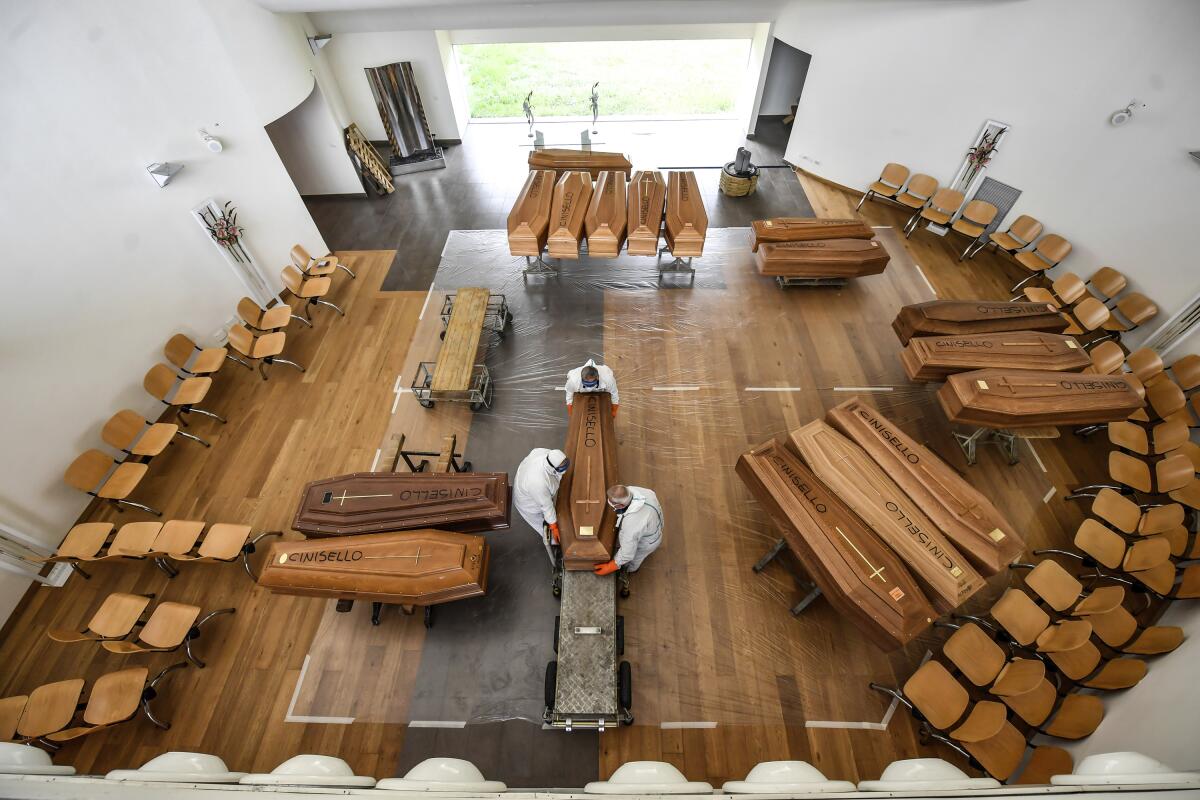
x: 637, y: 79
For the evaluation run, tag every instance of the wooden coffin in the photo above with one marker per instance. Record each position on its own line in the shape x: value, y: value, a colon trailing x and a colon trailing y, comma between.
x: 831, y: 258
x: 529, y: 220
x: 572, y: 194
x: 807, y: 229
x: 647, y: 193
x: 960, y: 317
x: 363, y: 502
x: 932, y: 358
x: 592, y: 162
x: 421, y: 568
x: 605, y: 221
x: 686, y: 220
x: 958, y: 509
x: 1025, y: 398
x: 849, y: 472
x: 586, y: 523
x: 854, y: 570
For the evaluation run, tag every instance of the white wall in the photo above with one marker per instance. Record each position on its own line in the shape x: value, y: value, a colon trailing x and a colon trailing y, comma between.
x: 110, y: 265
x: 1054, y: 70
x: 310, y: 144
x: 349, y: 53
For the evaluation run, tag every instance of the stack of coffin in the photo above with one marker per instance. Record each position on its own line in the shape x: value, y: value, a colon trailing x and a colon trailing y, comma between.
x: 529, y: 220
x: 572, y: 195
x: 824, y: 258
x: 686, y: 219
x: 591, y: 161
x: 932, y: 358
x: 963, y: 317
x: 859, y: 575
x: 1009, y: 399
x: 366, y: 502
x: 586, y: 523
x: 605, y: 222
x: 647, y: 194
x: 411, y: 568
x: 807, y: 229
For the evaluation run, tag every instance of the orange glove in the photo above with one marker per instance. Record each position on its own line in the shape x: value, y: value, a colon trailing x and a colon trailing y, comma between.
x: 606, y: 569
x: 554, y: 532
x: 568, y: 409
x: 615, y: 407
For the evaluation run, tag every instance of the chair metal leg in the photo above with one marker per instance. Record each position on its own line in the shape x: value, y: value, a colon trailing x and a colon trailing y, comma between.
x: 79, y: 569
x: 289, y: 363
x: 301, y: 319
x: 194, y: 633
x: 217, y: 417
x: 262, y: 368
x: 248, y: 548
x: 331, y: 305
x: 194, y: 438
x: 145, y: 508
x: 347, y: 270
x: 150, y: 692
x: 863, y: 200
x: 162, y: 564
x: 232, y: 357
x: 1017, y: 288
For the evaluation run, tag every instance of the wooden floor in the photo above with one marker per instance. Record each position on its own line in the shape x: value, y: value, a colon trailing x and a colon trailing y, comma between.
x: 710, y: 641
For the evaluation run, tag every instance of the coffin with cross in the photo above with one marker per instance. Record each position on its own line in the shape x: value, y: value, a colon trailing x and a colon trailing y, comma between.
x: 932, y: 358
x: 572, y: 195
x: 686, y: 220
x: 529, y: 220
x: 958, y: 509
x: 848, y: 471
x: 645, y: 206
x: 366, y: 502
x: 412, y: 568
x: 605, y: 220
x: 807, y: 229
x: 825, y: 258
x: 586, y: 523
x: 1016, y: 398
x: 855, y: 571
x: 590, y: 161
x: 960, y: 317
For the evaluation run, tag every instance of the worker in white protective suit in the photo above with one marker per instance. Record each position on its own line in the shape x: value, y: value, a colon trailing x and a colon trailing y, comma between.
x: 591, y: 377
x: 639, y: 527
x: 535, y: 489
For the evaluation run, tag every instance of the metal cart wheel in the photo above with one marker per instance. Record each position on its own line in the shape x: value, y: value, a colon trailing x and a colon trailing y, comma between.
x: 624, y: 686
x: 442, y: 335
x: 466, y: 467
x: 425, y: 403
x: 620, y: 635
x: 556, y: 619
x: 551, y: 683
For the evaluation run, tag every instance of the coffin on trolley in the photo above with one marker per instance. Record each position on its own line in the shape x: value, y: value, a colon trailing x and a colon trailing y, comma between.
x: 932, y: 358
x: 572, y: 194
x: 686, y: 219
x: 586, y: 523
x: 831, y: 258
x: 591, y: 161
x: 1007, y: 399
x: 529, y: 220
x: 961, y: 317
x: 807, y: 229
x: 647, y: 194
x: 605, y: 222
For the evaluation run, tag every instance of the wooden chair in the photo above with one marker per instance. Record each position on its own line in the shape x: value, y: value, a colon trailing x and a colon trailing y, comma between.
x: 1046, y: 255
x: 115, y: 619
x: 920, y: 188
x: 50, y: 708
x: 90, y: 473
x: 115, y: 698
x: 938, y: 211
x: 1162, y: 477
x: 319, y: 267
x: 1113, y: 551
x: 1129, y: 518
x: 311, y: 290
x: 224, y: 542
x: 179, y: 350
x: 266, y: 320
x: 159, y: 383
x: 1147, y: 365
x: 1108, y: 358
x: 1108, y: 283
x: 1162, y: 438
x: 1165, y: 401
x: 11, y: 709
x: 973, y: 222
x: 1063, y: 292
x: 1086, y: 316
x: 1187, y: 372
x: 264, y: 349
x: 82, y: 543
x: 1136, y: 308
x: 888, y: 185
x: 128, y: 432
x: 1024, y: 230
x: 171, y: 625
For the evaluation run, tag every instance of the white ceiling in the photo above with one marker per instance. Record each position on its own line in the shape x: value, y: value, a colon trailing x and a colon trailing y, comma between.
x: 376, y: 5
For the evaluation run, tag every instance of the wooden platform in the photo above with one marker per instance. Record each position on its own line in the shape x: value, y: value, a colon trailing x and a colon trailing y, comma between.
x: 591, y: 161
x: 605, y: 222
x: 647, y: 194
x: 807, y: 229
x: 686, y: 221
x: 960, y: 511
x: 529, y: 220
x: 995, y: 398
x: 412, y: 568
x: 932, y: 358
x: 586, y: 523
x: 456, y: 357
x: 828, y: 258
x: 572, y: 195
x: 856, y: 572
x: 961, y: 317
x: 366, y: 502
x: 850, y: 473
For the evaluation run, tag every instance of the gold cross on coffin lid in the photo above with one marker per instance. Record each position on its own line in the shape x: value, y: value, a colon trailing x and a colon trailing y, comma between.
x: 586, y: 531
x: 345, y: 495
x: 416, y: 557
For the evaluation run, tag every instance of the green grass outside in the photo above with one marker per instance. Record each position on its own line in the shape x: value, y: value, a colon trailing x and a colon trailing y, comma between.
x: 651, y: 78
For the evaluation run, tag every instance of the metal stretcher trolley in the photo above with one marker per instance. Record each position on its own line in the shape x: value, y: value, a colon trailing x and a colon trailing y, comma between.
x: 456, y: 376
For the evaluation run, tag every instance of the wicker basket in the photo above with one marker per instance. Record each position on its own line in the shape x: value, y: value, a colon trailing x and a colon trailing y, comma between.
x: 733, y: 186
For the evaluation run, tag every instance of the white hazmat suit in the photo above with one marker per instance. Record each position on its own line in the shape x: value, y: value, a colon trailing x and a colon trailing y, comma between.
x: 639, y: 529
x: 534, y: 490
x: 608, y: 382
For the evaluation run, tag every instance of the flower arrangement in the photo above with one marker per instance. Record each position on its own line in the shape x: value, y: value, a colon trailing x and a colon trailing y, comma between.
x: 981, y: 154
x: 222, y: 226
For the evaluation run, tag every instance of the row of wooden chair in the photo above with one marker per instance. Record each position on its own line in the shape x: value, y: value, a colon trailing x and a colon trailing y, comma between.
x: 168, y: 627
x: 165, y: 543
x: 1087, y: 313
x: 56, y: 712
